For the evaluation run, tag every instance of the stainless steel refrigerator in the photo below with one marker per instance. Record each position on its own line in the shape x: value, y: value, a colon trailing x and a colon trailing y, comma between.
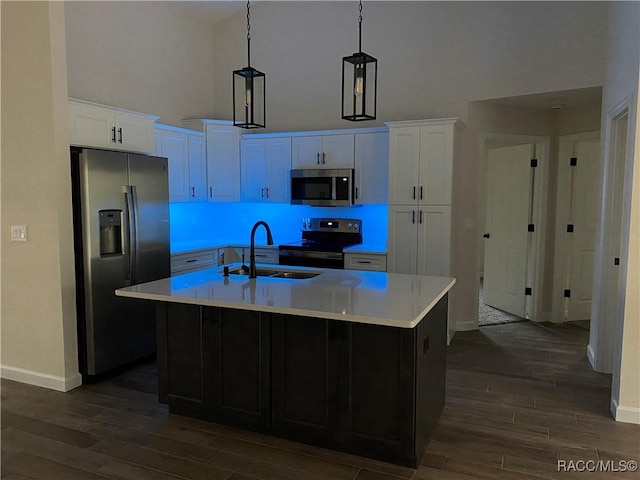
x: 121, y: 238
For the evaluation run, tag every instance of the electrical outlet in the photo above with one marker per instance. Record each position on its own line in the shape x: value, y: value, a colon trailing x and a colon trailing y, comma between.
x: 18, y: 233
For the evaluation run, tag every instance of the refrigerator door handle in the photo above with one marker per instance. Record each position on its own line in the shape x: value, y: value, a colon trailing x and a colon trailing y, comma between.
x: 132, y: 240
x: 135, y: 243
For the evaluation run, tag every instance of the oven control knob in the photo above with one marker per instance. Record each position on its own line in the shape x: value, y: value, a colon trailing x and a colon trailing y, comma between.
x: 356, y: 226
x: 349, y: 225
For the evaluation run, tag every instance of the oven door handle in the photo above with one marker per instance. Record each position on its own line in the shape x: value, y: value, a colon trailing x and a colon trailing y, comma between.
x: 307, y: 254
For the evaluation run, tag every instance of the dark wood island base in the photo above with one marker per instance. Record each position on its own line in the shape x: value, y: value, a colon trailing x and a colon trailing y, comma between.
x: 370, y: 390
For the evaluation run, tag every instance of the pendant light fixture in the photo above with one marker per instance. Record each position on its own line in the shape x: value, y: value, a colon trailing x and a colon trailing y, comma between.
x: 359, y: 82
x: 249, y: 99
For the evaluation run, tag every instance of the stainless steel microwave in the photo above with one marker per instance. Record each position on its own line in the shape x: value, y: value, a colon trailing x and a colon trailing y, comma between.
x: 322, y: 187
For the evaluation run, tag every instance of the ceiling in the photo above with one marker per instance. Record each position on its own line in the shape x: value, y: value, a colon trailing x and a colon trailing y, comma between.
x: 554, y: 100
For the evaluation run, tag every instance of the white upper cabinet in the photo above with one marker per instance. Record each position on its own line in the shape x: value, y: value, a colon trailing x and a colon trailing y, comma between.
x: 278, y: 169
x: 371, y: 167
x: 265, y: 165
x: 252, y: 166
x: 222, y: 157
x: 404, y: 165
x: 197, y: 167
x: 184, y: 150
x: 100, y: 126
x: 223, y: 163
x: 323, y: 151
x: 421, y: 162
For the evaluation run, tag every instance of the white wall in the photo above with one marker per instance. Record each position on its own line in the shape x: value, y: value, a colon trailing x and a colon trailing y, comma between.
x: 621, y: 351
x: 150, y: 57
x: 434, y: 57
x: 38, y: 286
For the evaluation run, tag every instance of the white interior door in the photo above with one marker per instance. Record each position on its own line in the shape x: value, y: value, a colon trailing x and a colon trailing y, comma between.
x: 584, y: 217
x: 507, y: 212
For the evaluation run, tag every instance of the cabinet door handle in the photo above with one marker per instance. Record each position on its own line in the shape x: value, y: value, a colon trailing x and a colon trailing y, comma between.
x: 323, y: 155
x: 421, y: 217
x: 414, y: 192
x: 262, y: 192
x: 193, y: 192
x: 192, y: 260
x: 210, y: 192
x: 120, y: 135
x: 413, y: 216
x: 420, y: 192
x: 113, y: 134
x: 267, y: 189
x: 318, y: 158
x: 364, y: 261
x: 425, y: 344
x: 357, y: 192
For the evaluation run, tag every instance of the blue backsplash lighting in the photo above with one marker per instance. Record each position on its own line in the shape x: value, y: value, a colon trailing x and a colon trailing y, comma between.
x: 232, y: 222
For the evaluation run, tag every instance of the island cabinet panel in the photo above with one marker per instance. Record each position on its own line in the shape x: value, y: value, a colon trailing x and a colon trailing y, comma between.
x: 304, y: 377
x: 180, y: 356
x: 238, y: 384
x: 377, y: 371
x: 367, y: 389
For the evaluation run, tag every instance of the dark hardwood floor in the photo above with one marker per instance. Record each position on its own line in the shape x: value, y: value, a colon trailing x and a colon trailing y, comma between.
x: 520, y: 397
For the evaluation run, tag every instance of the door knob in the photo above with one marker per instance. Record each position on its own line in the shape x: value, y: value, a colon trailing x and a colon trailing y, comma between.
x: 487, y: 235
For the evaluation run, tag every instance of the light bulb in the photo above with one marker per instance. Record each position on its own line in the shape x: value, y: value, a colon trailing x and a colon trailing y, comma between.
x: 247, y: 92
x: 358, y: 87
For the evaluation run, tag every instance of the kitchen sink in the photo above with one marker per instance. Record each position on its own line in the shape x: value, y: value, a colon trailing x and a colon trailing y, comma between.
x: 269, y: 272
x: 298, y: 275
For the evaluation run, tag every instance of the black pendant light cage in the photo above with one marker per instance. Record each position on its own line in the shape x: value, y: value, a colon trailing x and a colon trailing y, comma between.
x: 249, y: 91
x: 359, y: 83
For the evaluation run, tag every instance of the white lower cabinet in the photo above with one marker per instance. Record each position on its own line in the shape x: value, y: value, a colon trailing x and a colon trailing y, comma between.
x: 263, y: 255
x: 192, y: 261
x: 419, y: 240
x: 375, y: 262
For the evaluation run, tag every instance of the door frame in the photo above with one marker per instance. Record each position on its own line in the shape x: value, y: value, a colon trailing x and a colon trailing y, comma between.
x: 607, y: 314
x: 536, y: 254
x: 562, y: 210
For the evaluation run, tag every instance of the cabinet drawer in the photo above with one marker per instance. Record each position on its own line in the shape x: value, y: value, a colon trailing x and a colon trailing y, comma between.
x: 190, y: 262
x: 356, y: 261
x: 264, y: 255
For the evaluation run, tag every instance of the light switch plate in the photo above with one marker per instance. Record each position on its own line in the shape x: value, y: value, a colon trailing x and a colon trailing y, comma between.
x: 18, y: 233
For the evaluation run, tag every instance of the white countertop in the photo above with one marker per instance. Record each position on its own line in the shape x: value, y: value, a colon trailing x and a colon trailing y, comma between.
x: 372, y: 248
x: 391, y: 299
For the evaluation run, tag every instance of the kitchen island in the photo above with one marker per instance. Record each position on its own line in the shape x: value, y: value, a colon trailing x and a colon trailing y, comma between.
x: 350, y: 360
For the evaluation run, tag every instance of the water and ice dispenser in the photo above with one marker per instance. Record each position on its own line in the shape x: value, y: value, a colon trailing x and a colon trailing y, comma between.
x: 110, y: 232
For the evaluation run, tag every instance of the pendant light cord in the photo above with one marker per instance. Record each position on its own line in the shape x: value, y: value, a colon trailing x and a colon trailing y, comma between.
x: 360, y: 27
x: 248, y: 34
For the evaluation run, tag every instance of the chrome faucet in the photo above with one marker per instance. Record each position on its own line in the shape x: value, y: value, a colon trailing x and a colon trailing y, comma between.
x: 252, y: 254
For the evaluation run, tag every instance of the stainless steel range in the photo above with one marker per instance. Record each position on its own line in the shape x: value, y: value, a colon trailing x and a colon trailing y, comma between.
x: 323, y: 242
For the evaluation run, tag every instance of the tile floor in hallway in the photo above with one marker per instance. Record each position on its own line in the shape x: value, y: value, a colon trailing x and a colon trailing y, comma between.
x: 520, y: 397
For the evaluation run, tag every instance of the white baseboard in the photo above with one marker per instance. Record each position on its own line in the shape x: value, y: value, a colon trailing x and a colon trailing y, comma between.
x: 466, y: 326
x: 625, y: 414
x: 38, y: 379
x: 591, y: 355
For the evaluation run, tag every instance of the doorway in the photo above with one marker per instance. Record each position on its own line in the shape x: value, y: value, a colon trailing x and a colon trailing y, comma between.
x: 515, y: 217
